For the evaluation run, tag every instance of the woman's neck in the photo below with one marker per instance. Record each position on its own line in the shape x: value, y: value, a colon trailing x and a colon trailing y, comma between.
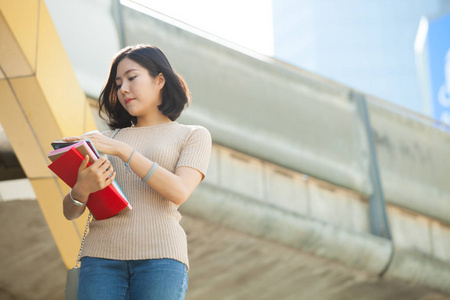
x: 154, y: 120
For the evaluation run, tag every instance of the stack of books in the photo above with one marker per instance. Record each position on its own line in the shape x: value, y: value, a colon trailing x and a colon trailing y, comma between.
x: 66, y: 160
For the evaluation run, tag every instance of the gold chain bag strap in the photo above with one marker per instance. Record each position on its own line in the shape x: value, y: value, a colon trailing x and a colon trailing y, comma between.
x: 74, y: 273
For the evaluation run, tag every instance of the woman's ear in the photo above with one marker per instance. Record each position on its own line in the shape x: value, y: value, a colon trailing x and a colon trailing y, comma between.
x: 160, y: 80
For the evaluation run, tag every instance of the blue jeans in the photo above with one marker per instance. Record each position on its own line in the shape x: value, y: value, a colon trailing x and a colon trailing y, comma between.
x: 159, y: 279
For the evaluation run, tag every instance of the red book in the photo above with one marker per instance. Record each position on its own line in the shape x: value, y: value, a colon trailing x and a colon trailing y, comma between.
x: 104, y: 203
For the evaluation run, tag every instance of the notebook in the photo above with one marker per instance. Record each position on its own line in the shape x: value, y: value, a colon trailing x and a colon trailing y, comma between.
x: 66, y: 161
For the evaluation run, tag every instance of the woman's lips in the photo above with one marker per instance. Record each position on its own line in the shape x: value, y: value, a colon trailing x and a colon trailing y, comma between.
x: 128, y: 100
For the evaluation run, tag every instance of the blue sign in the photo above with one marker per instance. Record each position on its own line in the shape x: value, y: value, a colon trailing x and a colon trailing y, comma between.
x: 438, y: 49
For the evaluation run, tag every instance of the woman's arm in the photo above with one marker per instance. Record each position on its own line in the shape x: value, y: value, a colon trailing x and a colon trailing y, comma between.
x: 175, y: 187
x: 70, y: 210
x: 90, y: 179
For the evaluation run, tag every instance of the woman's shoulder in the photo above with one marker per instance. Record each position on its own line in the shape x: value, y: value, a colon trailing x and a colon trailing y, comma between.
x: 196, y: 130
x: 195, y: 134
x: 192, y: 127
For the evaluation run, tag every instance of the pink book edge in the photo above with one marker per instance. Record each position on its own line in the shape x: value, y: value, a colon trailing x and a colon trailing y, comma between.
x: 76, y: 145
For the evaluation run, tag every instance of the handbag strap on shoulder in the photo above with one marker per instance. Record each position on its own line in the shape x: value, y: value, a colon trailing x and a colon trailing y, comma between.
x: 114, y: 133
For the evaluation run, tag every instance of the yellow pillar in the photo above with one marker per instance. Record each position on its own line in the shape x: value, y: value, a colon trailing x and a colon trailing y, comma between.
x: 40, y: 101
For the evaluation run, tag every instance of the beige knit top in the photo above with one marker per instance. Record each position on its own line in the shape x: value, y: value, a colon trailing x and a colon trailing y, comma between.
x: 151, y: 229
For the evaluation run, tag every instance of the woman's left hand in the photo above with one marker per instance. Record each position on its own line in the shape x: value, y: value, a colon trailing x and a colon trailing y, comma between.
x: 102, y: 143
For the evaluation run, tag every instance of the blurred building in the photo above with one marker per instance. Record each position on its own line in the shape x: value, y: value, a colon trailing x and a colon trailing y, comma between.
x: 367, y: 45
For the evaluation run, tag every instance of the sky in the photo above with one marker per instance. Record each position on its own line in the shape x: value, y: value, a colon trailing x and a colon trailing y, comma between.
x: 247, y: 23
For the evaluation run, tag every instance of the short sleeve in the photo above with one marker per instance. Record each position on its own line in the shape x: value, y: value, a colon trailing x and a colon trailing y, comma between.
x: 196, y: 150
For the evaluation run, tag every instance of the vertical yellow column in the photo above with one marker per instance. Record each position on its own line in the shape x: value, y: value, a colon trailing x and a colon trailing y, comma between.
x: 40, y: 101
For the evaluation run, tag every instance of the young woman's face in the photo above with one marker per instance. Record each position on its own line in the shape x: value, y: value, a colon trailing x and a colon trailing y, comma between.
x: 138, y: 92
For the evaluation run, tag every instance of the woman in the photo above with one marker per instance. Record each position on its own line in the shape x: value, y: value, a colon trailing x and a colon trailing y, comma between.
x: 140, y: 254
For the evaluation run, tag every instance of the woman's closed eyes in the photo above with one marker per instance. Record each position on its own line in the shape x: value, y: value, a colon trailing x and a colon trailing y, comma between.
x: 129, y: 79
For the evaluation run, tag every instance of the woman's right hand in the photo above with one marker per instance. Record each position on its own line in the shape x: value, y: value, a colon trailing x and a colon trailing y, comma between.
x: 92, y: 178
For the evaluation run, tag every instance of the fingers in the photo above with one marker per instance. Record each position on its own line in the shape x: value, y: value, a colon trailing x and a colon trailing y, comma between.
x: 100, y: 174
x: 110, y: 179
x: 71, y: 138
x: 99, y: 162
x: 79, y: 138
x: 100, y: 166
x: 92, y: 136
x: 106, y: 174
x: 91, y: 132
x: 106, y: 168
x: 85, y: 136
x: 84, y: 163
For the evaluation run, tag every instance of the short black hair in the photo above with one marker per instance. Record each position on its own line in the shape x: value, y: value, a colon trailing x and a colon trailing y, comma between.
x: 175, y: 93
